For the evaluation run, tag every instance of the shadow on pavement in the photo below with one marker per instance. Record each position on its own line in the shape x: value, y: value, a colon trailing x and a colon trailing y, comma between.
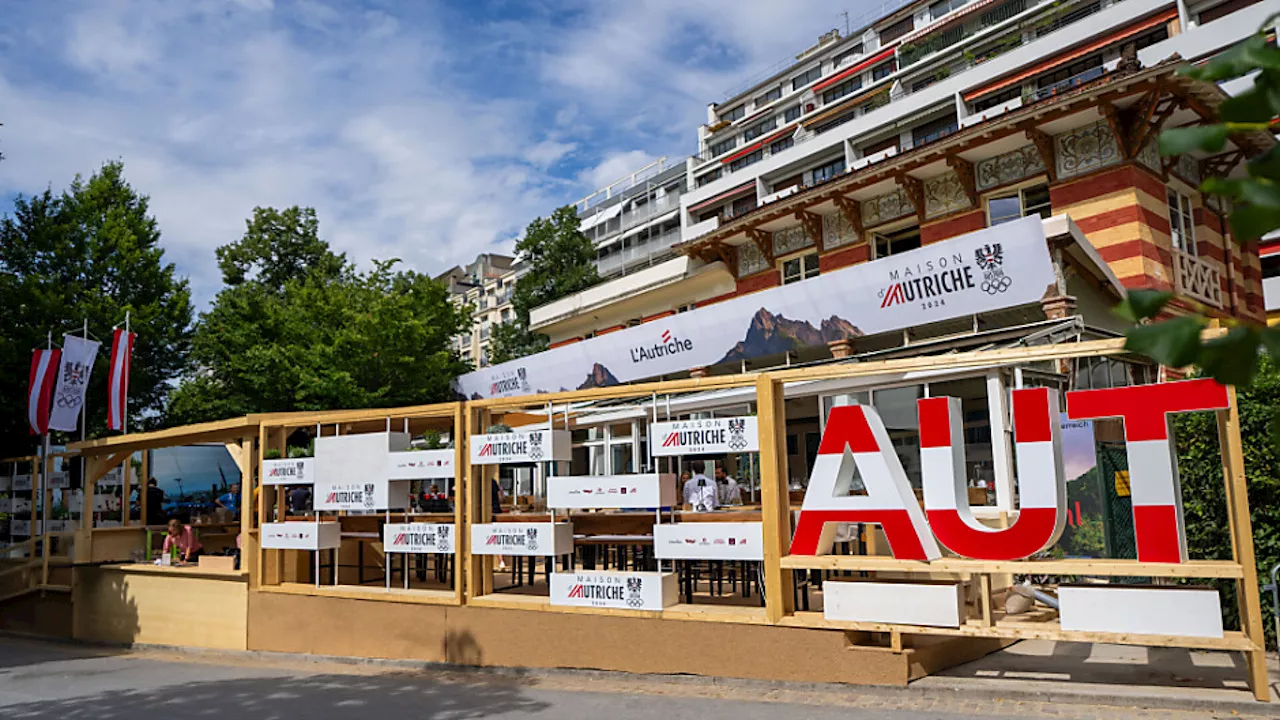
x: 317, y: 697
x: 20, y: 652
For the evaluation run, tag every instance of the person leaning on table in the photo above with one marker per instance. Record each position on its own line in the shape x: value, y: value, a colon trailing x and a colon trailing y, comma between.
x: 184, y: 539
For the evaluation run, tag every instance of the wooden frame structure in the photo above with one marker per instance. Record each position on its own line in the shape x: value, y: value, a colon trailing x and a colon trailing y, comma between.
x: 473, y: 581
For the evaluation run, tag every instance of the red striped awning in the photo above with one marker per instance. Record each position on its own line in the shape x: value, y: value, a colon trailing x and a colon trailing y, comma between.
x: 1051, y: 63
x: 844, y: 74
x: 744, y: 151
x: 740, y: 190
x: 946, y: 20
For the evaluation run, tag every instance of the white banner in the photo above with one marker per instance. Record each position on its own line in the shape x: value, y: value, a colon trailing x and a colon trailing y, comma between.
x: 294, y: 471
x: 21, y: 483
x: 608, y: 589
x: 73, y: 379
x: 59, y: 480
x: 418, y: 538
x: 301, y: 535
x: 115, y: 477
x: 351, y: 472
x: 529, y: 539
x: 644, y: 490
x: 521, y: 446
x: 709, y: 541
x: 20, y: 528
x: 992, y: 269
x: 19, y: 505
x: 421, y: 465
x: 704, y: 437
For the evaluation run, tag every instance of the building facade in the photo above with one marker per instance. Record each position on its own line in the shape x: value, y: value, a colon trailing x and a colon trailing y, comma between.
x: 484, y: 287
x: 635, y: 221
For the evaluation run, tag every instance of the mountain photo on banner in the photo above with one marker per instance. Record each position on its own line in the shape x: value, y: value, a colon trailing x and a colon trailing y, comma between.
x: 298, y: 327
x: 559, y: 261
x: 91, y: 252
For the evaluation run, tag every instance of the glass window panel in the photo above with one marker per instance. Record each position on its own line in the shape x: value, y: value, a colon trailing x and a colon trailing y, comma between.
x: 1004, y: 209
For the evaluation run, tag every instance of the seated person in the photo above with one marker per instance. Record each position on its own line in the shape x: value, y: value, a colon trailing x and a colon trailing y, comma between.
x: 184, y: 539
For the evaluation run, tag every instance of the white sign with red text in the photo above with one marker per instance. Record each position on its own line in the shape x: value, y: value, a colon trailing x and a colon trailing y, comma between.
x: 301, y: 535
x: 528, y: 539
x: 291, y: 471
x: 521, y: 446
x: 420, y: 465
x: 615, y: 589
x: 708, y: 436
x: 708, y: 541
x: 418, y: 538
x: 640, y: 491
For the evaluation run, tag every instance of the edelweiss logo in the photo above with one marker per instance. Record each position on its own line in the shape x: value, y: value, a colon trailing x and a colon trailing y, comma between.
x: 667, y: 344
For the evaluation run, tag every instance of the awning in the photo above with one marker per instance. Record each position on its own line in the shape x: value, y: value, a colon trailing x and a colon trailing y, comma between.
x: 740, y: 190
x: 946, y: 20
x: 844, y: 74
x: 608, y: 213
x: 1067, y: 57
x: 744, y: 151
x: 845, y: 105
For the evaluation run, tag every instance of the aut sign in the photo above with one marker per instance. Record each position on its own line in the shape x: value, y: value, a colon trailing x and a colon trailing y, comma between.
x: 855, y: 437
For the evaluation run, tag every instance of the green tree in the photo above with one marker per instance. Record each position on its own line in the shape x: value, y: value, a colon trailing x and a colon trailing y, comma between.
x: 560, y: 261
x: 297, y: 327
x: 92, y: 252
x: 1232, y: 358
x: 1203, y: 494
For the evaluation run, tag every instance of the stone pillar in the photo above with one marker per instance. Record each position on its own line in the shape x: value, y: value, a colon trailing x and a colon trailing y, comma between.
x: 698, y: 372
x: 841, y: 349
x: 1059, y: 307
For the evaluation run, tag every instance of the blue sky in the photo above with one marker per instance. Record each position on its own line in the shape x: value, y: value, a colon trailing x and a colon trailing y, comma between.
x: 420, y: 130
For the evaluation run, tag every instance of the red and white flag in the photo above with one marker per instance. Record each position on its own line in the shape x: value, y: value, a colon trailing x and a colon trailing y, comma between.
x: 121, y: 356
x: 44, y: 371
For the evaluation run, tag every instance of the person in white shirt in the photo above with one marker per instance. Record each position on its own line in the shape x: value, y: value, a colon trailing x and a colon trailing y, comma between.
x: 700, y: 491
x: 730, y: 492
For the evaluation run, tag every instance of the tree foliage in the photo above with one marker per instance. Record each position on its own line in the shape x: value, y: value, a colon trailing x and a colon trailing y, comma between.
x: 560, y: 261
x: 1203, y: 491
x: 1232, y: 358
x: 297, y: 327
x: 91, y: 252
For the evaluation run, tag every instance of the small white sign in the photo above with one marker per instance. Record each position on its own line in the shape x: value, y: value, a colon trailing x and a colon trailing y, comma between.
x: 20, y: 505
x: 420, y: 465
x: 63, y: 526
x: 522, y: 446
x: 301, y: 535
x: 1181, y: 612
x: 115, y: 477
x: 351, y: 472
x: 709, y: 541
x: 937, y: 605
x: 529, y: 539
x: 293, y: 471
x: 418, y: 538
x: 21, y: 483
x: 609, y: 589
x: 59, y: 480
x: 644, y: 490
x: 20, y: 528
x: 704, y: 437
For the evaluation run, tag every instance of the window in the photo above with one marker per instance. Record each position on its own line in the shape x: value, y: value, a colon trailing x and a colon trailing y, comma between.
x: 824, y: 173
x: 785, y: 183
x: 853, y: 84
x: 709, y: 177
x: 848, y: 54
x: 706, y: 215
x: 1066, y: 72
x: 722, y: 147
x: 999, y: 98
x: 934, y: 130
x: 1181, y: 222
x: 734, y: 114
x: 1226, y: 8
x: 800, y: 268
x: 769, y: 97
x: 897, y: 242
x: 919, y: 85
x: 1022, y: 203
x: 756, y: 131
x: 686, y: 308
x: 879, y: 147
x: 806, y: 78
x: 742, y: 206
x: 791, y: 113
x: 1160, y: 34
x: 897, y: 30
x: 780, y: 145
x: 746, y: 160
x: 943, y: 7
x: 883, y: 70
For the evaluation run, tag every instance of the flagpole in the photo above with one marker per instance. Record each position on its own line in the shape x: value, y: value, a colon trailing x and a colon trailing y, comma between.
x: 124, y: 406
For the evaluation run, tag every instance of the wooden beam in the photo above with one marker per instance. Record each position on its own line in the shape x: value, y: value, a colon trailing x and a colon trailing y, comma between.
x: 775, y: 510
x: 245, y: 455
x: 725, y: 254
x: 763, y: 241
x: 812, y: 223
x: 1044, y: 146
x: 968, y: 180
x: 914, y: 189
x: 852, y: 212
x: 1112, y: 114
x: 461, y: 504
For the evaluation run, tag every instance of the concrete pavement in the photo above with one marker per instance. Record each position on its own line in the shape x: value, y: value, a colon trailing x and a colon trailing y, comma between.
x: 49, y: 681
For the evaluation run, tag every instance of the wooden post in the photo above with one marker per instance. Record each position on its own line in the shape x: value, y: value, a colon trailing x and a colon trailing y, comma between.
x: 461, y: 528
x: 144, y: 480
x: 46, y: 498
x: 1242, y: 542
x: 273, y: 560
x: 477, y: 505
x: 250, y: 474
x: 775, y: 506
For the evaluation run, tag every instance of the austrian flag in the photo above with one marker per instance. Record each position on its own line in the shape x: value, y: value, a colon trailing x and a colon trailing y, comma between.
x: 44, y: 371
x: 118, y: 387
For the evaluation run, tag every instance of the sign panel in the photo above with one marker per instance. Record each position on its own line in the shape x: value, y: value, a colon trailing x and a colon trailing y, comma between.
x: 351, y: 472
x: 645, y: 490
x: 529, y: 539
x: 709, y: 541
x: 609, y: 589
x: 59, y: 480
x: 293, y: 471
x: 21, y: 483
x: 418, y: 538
x: 114, y: 477
x: 301, y: 535
x: 522, y: 446
x: 709, y: 436
x: 21, y: 505
x: 421, y: 465
x: 6, y: 505
x: 932, y: 604
x: 991, y: 269
x: 20, y: 528
x: 1180, y: 612
x: 6, y: 481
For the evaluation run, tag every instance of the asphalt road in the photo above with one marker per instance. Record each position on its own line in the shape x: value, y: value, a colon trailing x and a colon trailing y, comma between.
x: 50, y: 681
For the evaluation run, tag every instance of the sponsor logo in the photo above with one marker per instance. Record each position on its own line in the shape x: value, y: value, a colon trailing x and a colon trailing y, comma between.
x: 685, y: 438
x: 586, y: 591
x: 929, y: 282
x: 666, y: 346
x: 415, y: 539
x: 347, y: 497
x: 509, y: 447
x: 505, y: 540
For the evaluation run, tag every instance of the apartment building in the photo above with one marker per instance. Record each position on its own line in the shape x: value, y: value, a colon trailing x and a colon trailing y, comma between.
x: 485, y: 287
x: 634, y: 222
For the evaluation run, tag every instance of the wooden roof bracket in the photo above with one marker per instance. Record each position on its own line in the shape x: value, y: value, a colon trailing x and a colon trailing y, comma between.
x: 852, y: 212
x: 812, y: 223
x: 914, y: 189
x: 968, y: 180
x: 1044, y: 146
x: 763, y: 241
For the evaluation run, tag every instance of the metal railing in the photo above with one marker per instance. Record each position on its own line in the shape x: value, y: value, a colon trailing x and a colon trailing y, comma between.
x: 653, y: 169
x: 621, y: 260
x: 1062, y: 86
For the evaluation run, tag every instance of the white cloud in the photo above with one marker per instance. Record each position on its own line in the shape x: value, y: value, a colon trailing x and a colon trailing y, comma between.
x: 614, y: 167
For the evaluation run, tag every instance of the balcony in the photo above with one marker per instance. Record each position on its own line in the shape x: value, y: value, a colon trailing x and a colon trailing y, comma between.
x: 1070, y: 83
x: 1196, y: 279
x: 634, y: 217
x: 620, y: 261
